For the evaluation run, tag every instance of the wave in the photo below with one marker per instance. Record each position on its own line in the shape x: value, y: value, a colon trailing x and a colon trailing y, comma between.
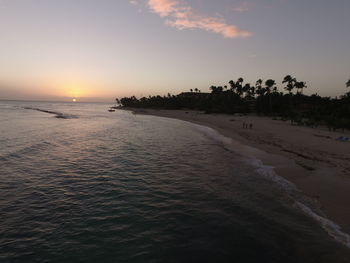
x: 306, y: 204
x: 332, y: 228
x: 26, y: 152
x: 58, y: 115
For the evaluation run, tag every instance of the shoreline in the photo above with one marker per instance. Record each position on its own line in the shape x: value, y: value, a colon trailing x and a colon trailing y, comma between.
x: 311, y: 159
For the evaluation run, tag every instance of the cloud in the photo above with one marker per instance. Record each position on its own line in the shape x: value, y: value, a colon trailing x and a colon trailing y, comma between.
x: 182, y: 16
x: 163, y: 7
x: 244, y: 7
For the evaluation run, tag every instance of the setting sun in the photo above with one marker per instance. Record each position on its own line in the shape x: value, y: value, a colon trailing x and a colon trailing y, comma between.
x: 74, y: 100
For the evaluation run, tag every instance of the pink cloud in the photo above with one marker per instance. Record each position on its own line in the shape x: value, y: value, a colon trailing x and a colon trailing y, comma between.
x: 181, y: 16
x: 163, y: 7
x: 210, y: 24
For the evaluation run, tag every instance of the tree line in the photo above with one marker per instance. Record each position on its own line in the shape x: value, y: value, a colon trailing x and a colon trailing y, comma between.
x: 263, y: 98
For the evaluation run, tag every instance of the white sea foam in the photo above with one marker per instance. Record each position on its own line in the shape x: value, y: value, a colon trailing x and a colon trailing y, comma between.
x: 300, y: 201
x: 332, y: 228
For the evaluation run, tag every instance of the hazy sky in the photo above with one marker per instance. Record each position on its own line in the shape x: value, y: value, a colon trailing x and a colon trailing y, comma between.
x: 112, y: 48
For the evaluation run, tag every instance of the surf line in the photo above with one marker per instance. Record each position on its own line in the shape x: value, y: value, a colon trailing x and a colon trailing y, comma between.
x: 58, y: 115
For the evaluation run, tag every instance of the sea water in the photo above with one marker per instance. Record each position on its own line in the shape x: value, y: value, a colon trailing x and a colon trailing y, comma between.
x: 81, y: 184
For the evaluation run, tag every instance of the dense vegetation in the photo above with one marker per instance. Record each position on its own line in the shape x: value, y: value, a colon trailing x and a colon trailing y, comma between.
x: 262, y: 98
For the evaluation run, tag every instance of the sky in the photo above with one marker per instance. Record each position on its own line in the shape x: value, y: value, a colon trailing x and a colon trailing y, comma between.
x: 98, y: 50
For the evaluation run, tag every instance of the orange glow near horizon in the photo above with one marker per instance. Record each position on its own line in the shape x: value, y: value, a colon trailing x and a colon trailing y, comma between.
x: 76, y: 90
x: 63, y: 88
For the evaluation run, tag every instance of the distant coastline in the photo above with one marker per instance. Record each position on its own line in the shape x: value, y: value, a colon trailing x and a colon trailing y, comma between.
x: 263, y: 98
x: 312, y: 159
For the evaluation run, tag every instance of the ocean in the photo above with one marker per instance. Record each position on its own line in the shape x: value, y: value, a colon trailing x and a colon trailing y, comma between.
x: 81, y: 184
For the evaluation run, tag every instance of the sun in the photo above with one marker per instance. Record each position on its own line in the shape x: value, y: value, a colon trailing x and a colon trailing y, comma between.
x: 74, y: 100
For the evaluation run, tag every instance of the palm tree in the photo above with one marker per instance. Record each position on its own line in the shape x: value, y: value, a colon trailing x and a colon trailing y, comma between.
x: 215, y: 89
x: 232, y: 85
x: 239, y: 86
x: 269, y: 85
x: 258, y: 87
x: 196, y: 90
x: 300, y: 85
x: 290, y: 83
x: 252, y: 91
x: 246, y: 90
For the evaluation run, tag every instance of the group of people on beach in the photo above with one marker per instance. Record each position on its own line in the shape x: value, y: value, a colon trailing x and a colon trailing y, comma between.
x: 247, y: 125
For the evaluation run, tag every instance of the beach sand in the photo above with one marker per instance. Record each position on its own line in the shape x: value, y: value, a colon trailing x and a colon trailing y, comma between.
x: 312, y: 159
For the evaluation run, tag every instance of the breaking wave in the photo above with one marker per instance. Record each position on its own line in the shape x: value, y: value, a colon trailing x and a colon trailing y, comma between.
x: 306, y: 204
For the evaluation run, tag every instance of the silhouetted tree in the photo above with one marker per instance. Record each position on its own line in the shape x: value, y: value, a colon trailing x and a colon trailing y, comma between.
x: 269, y: 85
x: 246, y: 90
x: 258, y: 86
x: 216, y: 90
x: 290, y: 83
x: 300, y: 85
x: 232, y: 86
x: 301, y: 109
x: 239, y: 86
x: 252, y: 91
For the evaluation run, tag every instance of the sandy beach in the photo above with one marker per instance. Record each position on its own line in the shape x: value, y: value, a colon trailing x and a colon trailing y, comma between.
x: 312, y: 159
